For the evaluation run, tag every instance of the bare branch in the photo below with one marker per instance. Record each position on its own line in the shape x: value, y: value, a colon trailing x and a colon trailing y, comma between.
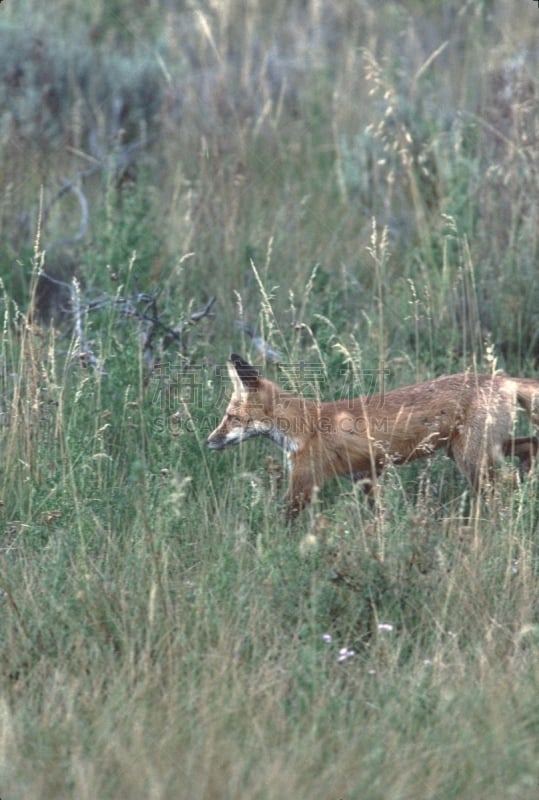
x: 123, y: 157
x: 261, y: 345
x: 142, y: 307
x: 204, y: 312
x: 86, y: 354
x: 73, y: 186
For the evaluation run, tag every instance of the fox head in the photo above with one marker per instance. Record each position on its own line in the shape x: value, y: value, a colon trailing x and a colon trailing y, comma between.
x: 244, y: 417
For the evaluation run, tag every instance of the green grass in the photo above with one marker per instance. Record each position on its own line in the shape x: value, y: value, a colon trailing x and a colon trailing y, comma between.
x: 366, y: 196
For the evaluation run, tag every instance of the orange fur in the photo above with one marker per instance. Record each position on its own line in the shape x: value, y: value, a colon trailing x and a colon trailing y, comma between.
x: 471, y: 416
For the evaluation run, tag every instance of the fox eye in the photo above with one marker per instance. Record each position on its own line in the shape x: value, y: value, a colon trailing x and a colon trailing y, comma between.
x: 233, y: 418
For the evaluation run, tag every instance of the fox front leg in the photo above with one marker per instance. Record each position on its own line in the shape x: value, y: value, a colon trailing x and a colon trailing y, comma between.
x: 300, y: 489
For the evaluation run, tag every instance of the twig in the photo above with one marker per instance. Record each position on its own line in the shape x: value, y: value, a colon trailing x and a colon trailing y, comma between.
x: 73, y: 186
x: 122, y: 158
x: 148, y: 315
x: 86, y: 354
x: 204, y: 312
x: 261, y: 345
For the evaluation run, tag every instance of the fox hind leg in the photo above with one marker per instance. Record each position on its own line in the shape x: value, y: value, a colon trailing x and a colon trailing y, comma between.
x: 524, y: 448
x: 476, y: 458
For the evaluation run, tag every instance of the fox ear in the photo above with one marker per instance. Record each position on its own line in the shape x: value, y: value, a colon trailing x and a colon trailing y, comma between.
x: 247, y: 374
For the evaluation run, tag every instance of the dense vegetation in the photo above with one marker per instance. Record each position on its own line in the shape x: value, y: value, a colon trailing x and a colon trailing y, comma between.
x: 360, y: 187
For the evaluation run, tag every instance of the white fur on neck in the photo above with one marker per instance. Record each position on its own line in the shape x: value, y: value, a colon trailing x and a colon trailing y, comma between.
x: 287, y: 443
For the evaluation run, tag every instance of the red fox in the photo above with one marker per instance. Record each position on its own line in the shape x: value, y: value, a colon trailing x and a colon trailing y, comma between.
x: 472, y: 416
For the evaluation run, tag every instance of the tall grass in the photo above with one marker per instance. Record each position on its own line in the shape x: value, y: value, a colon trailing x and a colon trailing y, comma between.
x: 361, y: 189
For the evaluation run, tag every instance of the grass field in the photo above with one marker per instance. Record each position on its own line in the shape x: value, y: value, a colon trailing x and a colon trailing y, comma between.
x: 360, y: 186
